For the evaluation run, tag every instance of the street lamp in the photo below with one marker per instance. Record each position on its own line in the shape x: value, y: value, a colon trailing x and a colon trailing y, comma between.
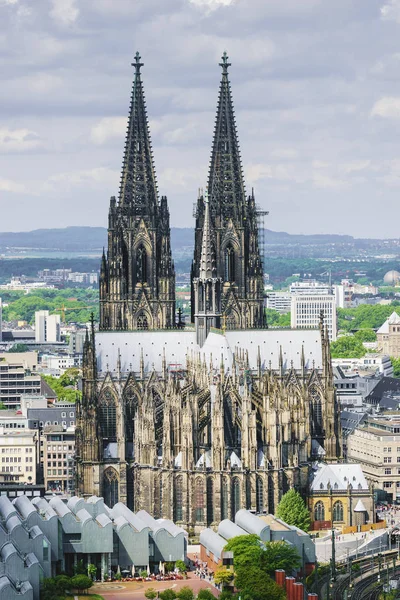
x: 333, y: 556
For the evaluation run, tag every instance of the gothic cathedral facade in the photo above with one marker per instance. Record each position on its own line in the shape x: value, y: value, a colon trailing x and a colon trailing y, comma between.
x: 194, y: 423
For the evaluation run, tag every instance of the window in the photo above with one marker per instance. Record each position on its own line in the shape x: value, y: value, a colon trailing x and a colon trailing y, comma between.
x: 259, y: 495
x: 388, y: 471
x: 387, y: 484
x: 71, y: 414
x: 110, y: 492
x: 63, y: 415
x: 210, y: 501
x: 235, y: 497
x: 224, y: 499
x: 387, y: 459
x: 199, y: 501
x: 178, y: 500
x: 319, y: 511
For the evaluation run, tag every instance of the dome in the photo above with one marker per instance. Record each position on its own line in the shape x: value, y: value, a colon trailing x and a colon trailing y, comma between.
x: 391, y: 277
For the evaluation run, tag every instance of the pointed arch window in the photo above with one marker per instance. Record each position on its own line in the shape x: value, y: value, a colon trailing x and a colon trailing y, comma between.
x: 110, y: 487
x: 142, y: 322
x: 210, y: 501
x: 229, y: 263
x: 224, y: 500
x: 259, y: 495
x: 235, y: 501
x: 178, y: 499
x: 141, y: 264
x: 338, y: 511
x: 199, y: 501
x: 108, y: 416
x: 319, y: 511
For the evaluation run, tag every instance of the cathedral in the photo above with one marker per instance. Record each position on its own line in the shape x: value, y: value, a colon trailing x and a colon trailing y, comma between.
x: 194, y: 421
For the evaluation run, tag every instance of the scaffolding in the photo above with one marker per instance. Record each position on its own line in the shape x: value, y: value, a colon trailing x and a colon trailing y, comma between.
x: 261, y: 214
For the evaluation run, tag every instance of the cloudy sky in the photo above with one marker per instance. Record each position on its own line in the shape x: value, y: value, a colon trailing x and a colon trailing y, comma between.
x: 316, y: 86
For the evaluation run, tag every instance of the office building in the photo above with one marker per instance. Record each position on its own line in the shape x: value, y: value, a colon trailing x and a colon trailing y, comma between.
x: 17, y: 456
x: 47, y: 327
x: 306, y: 312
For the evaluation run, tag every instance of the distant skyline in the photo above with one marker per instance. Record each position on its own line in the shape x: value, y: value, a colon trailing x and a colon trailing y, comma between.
x: 316, y: 88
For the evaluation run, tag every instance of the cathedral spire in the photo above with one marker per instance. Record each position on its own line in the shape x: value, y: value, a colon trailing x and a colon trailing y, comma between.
x: 207, y: 268
x: 226, y: 184
x: 138, y: 186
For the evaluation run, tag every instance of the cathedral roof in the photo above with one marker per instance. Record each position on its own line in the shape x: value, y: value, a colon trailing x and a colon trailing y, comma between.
x: 394, y: 319
x: 207, y: 269
x: 177, y: 344
x: 339, y: 477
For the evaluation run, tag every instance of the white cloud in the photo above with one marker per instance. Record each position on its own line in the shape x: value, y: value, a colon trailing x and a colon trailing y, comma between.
x: 324, y: 181
x: 387, y: 108
x: 391, y: 11
x: 93, y: 178
x: 356, y: 166
x: 64, y: 12
x: 8, y: 2
x: 108, y: 128
x: 210, y: 5
x: 6, y: 185
x: 18, y: 140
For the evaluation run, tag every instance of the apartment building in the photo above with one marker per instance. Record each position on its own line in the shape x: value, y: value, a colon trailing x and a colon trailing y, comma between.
x: 58, y: 458
x: 376, y: 447
x: 17, y: 456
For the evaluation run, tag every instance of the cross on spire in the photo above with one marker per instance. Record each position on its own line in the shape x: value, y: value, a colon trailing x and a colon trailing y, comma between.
x: 137, y: 64
x: 224, y: 64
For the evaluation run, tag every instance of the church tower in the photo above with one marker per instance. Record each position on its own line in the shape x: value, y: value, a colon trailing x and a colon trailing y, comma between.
x: 137, y: 277
x: 233, y: 224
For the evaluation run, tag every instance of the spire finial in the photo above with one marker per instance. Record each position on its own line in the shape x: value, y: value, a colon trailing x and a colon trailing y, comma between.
x: 137, y: 64
x: 224, y: 64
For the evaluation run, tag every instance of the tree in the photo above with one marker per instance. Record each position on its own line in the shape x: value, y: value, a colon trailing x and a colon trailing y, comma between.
x: 63, y: 582
x: 181, y: 566
x: 185, y: 593
x: 347, y: 347
x: 279, y: 555
x: 223, y: 576
x: 150, y: 594
x: 91, y: 571
x: 143, y: 573
x: 168, y: 595
x: 365, y: 335
x: 81, y: 583
x: 169, y: 566
x: 246, y: 550
x: 205, y: 594
x: 293, y: 511
x: 255, y: 584
x: 19, y: 348
x: 396, y: 366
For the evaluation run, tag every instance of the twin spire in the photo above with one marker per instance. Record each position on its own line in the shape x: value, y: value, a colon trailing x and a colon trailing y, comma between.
x: 138, y: 187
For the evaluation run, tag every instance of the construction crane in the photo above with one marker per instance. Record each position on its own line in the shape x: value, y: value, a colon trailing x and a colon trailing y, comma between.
x: 64, y: 308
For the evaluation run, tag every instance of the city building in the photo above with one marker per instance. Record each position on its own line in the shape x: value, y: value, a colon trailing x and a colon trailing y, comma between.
x: 388, y: 336
x: 59, y: 458
x: 267, y: 527
x: 76, y: 341
x: 306, y: 312
x: 198, y: 421
x: 340, y: 497
x: 365, y: 367
x: 279, y: 301
x: 375, y: 445
x: 47, y: 327
x: 17, y: 379
x: 1, y: 320
x: 18, y: 456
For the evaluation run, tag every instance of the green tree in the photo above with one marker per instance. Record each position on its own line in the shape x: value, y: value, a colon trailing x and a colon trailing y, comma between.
x: 396, y: 366
x: 81, y: 583
x: 63, y: 583
x: 143, y: 573
x: 180, y: 564
x: 168, y: 595
x: 185, y: 593
x: 91, y: 571
x: 279, y: 555
x: 347, y: 347
x: 19, y: 348
x: 205, y: 594
x: 246, y: 550
x: 169, y: 566
x: 150, y: 594
x: 223, y: 576
x: 365, y: 335
x: 292, y: 510
x: 255, y: 584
